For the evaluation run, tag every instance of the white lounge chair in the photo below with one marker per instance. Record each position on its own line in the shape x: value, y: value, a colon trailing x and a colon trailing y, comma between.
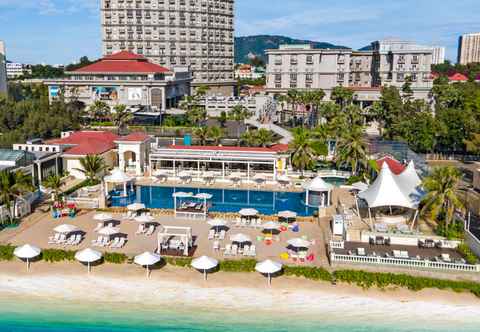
x: 222, y: 235
x: 77, y: 240
x: 246, y: 250
x: 211, y: 234
x: 150, y: 230
x: 54, y: 239
x: 62, y: 239
x: 140, y: 230
x: 228, y: 250
x: 216, y: 245
x: 234, y: 250
x: 69, y: 241
x: 253, y: 251
x: 446, y: 258
x: 114, y: 242
x: 122, y: 242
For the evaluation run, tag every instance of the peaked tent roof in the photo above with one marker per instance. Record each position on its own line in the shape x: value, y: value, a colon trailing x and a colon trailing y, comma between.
x: 395, y: 166
x: 318, y: 184
x: 458, y: 77
x: 386, y: 191
x: 409, y: 178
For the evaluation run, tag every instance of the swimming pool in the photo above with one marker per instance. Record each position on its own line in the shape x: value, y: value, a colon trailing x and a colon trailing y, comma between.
x: 268, y: 203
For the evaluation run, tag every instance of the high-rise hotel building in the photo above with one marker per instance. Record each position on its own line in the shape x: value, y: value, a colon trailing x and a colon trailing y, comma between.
x: 196, y: 33
x: 469, y: 48
x: 3, y: 69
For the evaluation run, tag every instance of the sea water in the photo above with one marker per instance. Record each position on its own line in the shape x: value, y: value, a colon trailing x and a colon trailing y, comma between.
x: 39, y: 315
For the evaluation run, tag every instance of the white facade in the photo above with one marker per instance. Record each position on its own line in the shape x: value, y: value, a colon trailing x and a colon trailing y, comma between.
x: 469, y: 48
x: 438, y: 55
x: 3, y: 70
x: 15, y: 69
x: 174, y: 32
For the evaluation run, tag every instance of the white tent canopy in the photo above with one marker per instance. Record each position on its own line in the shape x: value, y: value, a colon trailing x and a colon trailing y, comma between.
x: 409, y: 178
x: 117, y: 176
x: 144, y: 219
x: 27, y: 252
x: 217, y: 222
x: 240, y: 238
x: 136, y: 207
x: 65, y: 229
x: 271, y: 225
x: 287, y: 214
x: 299, y: 243
x: 108, y: 231
x: 387, y: 191
x: 204, y: 264
x: 103, y: 217
x: 318, y: 185
x: 315, y: 187
x: 248, y: 212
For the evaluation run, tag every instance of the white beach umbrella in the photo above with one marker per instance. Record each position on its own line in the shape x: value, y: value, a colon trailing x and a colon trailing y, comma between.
x: 136, y: 207
x: 147, y: 259
x: 217, y: 222
x: 299, y: 243
x: 248, y: 212
x: 204, y: 196
x: 144, y: 219
x: 240, y: 238
x: 88, y: 256
x: 109, y: 231
x: 204, y: 264
x: 103, y: 217
x: 287, y: 214
x: 65, y: 229
x: 27, y: 252
x: 181, y: 194
x: 271, y: 225
x: 268, y: 267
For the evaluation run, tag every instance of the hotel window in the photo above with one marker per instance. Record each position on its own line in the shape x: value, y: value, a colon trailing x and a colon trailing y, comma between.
x: 309, y: 78
x: 293, y: 60
x: 278, y: 60
x: 340, y: 77
x: 309, y: 59
x: 400, y: 77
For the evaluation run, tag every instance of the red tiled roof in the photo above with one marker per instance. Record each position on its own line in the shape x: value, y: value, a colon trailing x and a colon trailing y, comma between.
x: 395, y: 166
x: 458, y: 77
x: 123, y: 62
x: 134, y: 137
x: 278, y: 148
x: 87, y: 142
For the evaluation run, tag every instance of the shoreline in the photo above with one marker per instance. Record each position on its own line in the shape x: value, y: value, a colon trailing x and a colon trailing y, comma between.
x: 128, y: 284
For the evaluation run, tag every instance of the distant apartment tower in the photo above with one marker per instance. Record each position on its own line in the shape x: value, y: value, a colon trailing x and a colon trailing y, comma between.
x: 197, y: 33
x: 15, y: 70
x: 388, y: 63
x: 469, y: 48
x: 3, y: 69
x: 438, y: 56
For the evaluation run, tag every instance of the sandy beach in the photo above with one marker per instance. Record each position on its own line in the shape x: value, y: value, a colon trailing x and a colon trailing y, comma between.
x: 127, y: 284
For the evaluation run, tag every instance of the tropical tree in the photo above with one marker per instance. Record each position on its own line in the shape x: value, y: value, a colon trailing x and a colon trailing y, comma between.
x: 202, y: 134
x: 442, y: 197
x: 121, y: 117
x: 305, y: 149
x: 197, y: 115
x: 99, y: 110
x: 264, y: 137
x: 352, y: 150
x: 249, y: 138
x: 215, y: 134
x: 239, y: 113
x: 13, y: 185
x: 92, y: 165
x: 342, y: 96
x: 54, y: 182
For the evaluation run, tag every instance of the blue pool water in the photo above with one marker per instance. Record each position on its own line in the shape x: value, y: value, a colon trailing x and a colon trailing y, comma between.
x: 268, y: 203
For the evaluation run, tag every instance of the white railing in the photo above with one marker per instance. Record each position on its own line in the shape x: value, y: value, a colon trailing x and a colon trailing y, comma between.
x: 84, y: 203
x: 403, y: 262
x: 337, y: 244
x: 334, y: 173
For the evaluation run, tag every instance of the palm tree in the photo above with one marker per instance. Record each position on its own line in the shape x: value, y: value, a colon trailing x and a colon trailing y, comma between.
x: 303, y: 150
x: 442, y: 198
x: 197, y: 115
x: 92, y: 165
x: 249, y: 138
x: 352, y: 150
x: 98, y: 110
x: 12, y: 187
x: 216, y: 134
x: 293, y: 99
x: 54, y: 182
x: 239, y: 113
x: 264, y: 137
x: 121, y: 117
x: 202, y: 134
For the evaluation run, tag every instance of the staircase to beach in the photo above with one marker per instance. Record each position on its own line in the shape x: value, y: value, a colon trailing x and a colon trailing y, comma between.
x: 287, y: 136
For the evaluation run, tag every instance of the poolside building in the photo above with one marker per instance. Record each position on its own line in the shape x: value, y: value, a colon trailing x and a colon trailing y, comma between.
x: 222, y: 162
x: 124, y: 78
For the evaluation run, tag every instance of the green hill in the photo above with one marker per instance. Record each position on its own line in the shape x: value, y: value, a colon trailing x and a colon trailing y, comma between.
x: 256, y: 45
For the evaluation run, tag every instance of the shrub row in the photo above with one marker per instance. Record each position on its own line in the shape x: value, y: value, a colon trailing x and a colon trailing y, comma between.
x: 57, y: 255
x: 244, y: 265
x: 83, y: 184
x: 467, y: 253
x: 178, y: 261
x: 6, y: 253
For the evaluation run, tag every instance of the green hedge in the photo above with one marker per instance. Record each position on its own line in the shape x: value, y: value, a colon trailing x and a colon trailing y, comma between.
x: 57, y: 255
x: 244, y: 265
x: 6, y: 253
x: 179, y: 261
x: 313, y: 273
x: 383, y: 280
x: 467, y: 253
x: 115, y: 258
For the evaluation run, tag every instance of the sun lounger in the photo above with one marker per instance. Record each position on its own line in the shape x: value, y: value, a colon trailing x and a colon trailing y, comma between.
x: 253, y: 251
x: 70, y: 241
x: 216, y: 245
x: 446, y: 258
x: 140, y: 230
x: 246, y: 250
x: 114, y: 242
x: 228, y: 250
x: 62, y: 239
x: 54, y: 239
x: 361, y: 252
x: 150, y: 230
x: 78, y: 240
x: 110, y: 225
x: 222, y: 235
x: 211, y: 234
x: 234, y: 250
x: 122, y: 242
x: 302, y: 256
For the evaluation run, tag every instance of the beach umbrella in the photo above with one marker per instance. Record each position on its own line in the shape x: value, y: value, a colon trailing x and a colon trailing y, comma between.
x: 136, y: 207
x: 217, y: 222
x: 144, y: 219
x: 27, y: 252
x: 88, y: 256
x: 109, y: 231
x: 181, y: 194
x: 203, y: 196
x: 65, y: 229
x: 147, y: 259
x: 271, y: 226
x: 248, y: 212
x: 299, y: 243
x: 103, y: 217
x: 287, y: 214
x: 240, y: 238
x: 204, y: 263
x: 268, y: 267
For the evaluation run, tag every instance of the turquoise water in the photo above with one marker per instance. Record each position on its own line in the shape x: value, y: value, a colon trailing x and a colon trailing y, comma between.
x: 42, y: 316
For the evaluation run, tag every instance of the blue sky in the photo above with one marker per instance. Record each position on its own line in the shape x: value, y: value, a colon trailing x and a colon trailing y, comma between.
x: 60, y: 31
